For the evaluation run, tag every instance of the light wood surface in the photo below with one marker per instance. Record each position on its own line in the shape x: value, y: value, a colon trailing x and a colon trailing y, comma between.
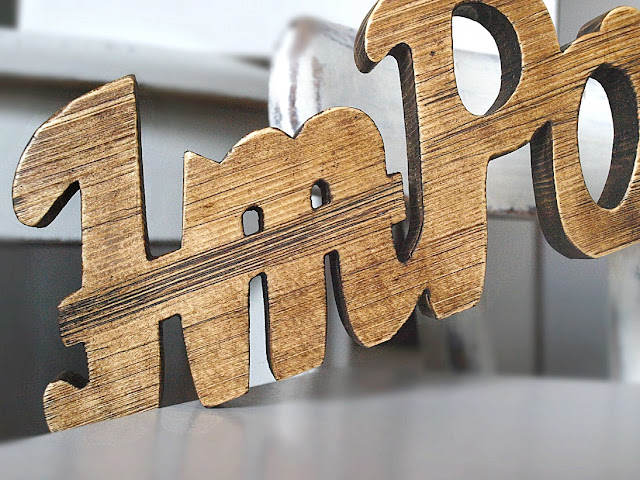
x: 449, y: 148
x: 93, y: 145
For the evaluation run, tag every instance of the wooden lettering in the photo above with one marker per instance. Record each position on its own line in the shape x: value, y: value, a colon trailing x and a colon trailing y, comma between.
x: 449, y: 148
x: 93, y: 146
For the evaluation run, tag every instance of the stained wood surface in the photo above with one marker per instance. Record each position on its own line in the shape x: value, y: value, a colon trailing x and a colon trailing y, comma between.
x: 313, y: 69
x: 449, y: 148
x: 93, y: 145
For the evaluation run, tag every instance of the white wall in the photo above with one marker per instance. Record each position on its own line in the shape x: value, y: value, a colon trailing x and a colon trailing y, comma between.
x: 573, y: 14
x: 469, y: 35
x: 248, y: 28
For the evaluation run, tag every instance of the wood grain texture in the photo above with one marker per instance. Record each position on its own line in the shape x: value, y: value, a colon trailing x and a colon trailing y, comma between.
x: 449, y: 148
x: 93, y: 145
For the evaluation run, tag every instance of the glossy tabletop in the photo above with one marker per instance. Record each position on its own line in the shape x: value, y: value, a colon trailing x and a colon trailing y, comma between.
x: 381, y: 418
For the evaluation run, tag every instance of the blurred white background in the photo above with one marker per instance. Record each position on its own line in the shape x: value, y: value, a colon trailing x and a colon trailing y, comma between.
x: 248, y: 28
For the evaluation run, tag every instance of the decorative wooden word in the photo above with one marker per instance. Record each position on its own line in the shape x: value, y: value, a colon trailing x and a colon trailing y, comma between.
x: 542, y: 86
x: 93, y: 145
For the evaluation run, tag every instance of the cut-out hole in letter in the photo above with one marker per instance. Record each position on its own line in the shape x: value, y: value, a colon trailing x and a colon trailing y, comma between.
x: 252, y: 221
x: 608, y: 133
x: 595, y: 137
x: 259, y: 372
x: 320, y: 194
x: 177, y: 383
x: 480, y: 28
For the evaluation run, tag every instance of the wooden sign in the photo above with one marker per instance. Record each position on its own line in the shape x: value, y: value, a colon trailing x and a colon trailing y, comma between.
x: 93, y: 145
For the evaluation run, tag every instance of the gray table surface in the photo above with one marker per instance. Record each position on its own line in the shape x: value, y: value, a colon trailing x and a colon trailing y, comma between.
x: 384, y: 417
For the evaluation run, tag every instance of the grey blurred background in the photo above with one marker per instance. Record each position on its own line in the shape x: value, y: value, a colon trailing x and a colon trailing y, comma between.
x: 203, y: 70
